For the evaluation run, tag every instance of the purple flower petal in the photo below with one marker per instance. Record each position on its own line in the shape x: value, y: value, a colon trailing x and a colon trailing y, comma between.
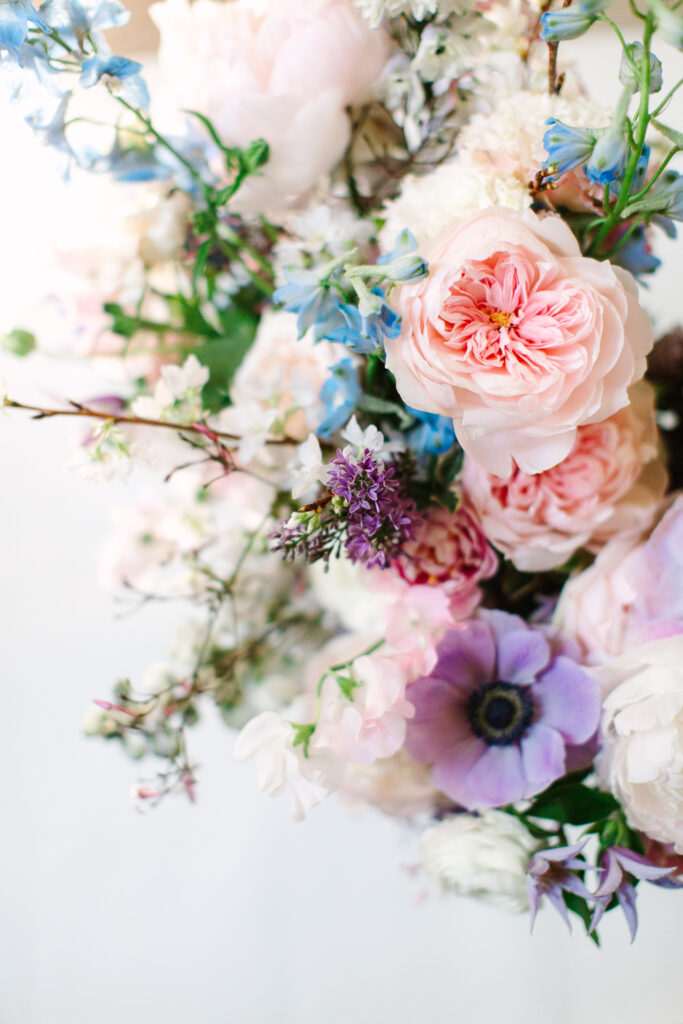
x: 522, y: 654
x: 467, y: 656
x: 542, y: 758
x: 439, y: 723
x: 611, y: 877
x: 497, y: 778
x: 569, y: 700
x: 451, y: 771
x: 639, y: 866
x: 626, y: 895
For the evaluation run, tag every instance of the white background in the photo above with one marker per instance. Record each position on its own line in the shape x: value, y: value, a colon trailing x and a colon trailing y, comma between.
x: 226, y: 910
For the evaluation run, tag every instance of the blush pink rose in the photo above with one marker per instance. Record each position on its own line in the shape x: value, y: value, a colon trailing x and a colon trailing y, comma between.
x: 518, y: 338
x: 282, y: 70
x: 633, y: 592
x: 612, y: 481
x: 451, y: 552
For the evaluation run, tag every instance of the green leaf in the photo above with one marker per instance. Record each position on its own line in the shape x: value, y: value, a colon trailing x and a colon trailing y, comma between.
x: 573, y: 804
x: 123, y: 324
x: 670, y: 133
x: 347, y: 685
x: 450, y: 465
x: 223, y: 356
x: 578, y: 906
x: 371, y: 403
x: 302, y: 735
x: 256, y: 155
x: 200, y: 262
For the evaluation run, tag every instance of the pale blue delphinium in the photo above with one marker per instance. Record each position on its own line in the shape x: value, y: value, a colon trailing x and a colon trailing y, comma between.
x: 609, y: 156
x: 628, y: 73
x: 567, y: 147
x: 364, y: 330
x: 433, y: 435
x: 15, y: 16
x: 76, y: 20
x: 403, y: 264
x: 314, y: 302
x: 340, y: 395
x: 124, y: 73
x: 571, y: 22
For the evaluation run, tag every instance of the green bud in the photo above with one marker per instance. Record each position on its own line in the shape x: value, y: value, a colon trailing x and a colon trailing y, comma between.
x: 18, y: 342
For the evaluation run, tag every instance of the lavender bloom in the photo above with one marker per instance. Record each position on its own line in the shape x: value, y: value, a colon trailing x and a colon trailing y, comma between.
x: 379, y: 516
x: 550, y: 872
x: 498, y: 712
x: 617, y: 863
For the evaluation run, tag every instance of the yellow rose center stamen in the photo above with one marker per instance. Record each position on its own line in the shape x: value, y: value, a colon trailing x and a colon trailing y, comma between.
x: 500, y: 319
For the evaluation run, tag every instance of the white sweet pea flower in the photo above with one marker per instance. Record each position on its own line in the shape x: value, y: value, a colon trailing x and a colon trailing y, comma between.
x: 484, y: 856
x: 177, y: 395
x: 371, y: 437
x: 251, y: 422
x: 281, y: 767
x: 309, y: 468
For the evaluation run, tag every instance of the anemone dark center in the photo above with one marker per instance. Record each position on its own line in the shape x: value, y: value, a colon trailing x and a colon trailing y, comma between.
x: 499, y: 713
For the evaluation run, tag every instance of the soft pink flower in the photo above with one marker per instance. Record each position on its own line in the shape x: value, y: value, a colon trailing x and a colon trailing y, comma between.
x: 611, y: 482
x: 451, y: 552
x: 283, y: 71
x: 631, y: 594
x: 519, y: 338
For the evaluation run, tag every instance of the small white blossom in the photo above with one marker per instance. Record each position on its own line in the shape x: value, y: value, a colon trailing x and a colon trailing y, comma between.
x: 177, y: 395
x: 375, y: 10
x: 107, y: 454
x: 371, y: 437
x: 268, y: 739
x: 252, y: 423
x: 309, y: 468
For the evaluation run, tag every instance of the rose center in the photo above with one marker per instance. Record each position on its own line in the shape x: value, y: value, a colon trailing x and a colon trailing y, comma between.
x: 500, y: 319
x: 499, y: 713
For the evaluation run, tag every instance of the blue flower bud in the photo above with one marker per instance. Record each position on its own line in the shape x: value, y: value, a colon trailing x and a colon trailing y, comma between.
x: 403, y: 264
x: 606, y: 165
x: 630, y: 77
x: 668, y: 192
x: 571, y: 22
x: 567, y: 147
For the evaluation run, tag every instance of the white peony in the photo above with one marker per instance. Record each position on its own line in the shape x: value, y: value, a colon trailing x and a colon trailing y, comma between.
x: 642, y: 755
x: 484, y: 856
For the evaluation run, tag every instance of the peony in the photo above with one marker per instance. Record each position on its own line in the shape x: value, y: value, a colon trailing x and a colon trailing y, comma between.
x: 451, y: 552
x: 284, y: 71
x: 642, y: 754
x: 632, y: 593
x: 610, y: 482
x: 518, y: 338
x: 484, y: 856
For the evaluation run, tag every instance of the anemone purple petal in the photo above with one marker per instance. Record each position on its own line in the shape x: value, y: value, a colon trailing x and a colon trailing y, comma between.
x: 569, y: 700
x: 543, y: 758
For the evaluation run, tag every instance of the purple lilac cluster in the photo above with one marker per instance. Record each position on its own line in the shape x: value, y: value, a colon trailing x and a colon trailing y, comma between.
x: 380, y: 517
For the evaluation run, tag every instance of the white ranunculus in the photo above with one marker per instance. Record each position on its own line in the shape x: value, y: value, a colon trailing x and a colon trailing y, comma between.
x: 484, y: 856
x: 642, y: 756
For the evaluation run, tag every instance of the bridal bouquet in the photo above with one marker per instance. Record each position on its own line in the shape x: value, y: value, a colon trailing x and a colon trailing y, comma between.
x: 360, y: 282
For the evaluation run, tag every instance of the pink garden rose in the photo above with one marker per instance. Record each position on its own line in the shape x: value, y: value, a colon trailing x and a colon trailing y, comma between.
x: 611, y: 481
x: 519, y: 338
x: 451, y: 552
x: 633, y: 592
x: 283, y: 70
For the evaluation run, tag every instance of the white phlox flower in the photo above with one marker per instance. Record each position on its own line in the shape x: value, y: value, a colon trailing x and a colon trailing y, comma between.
x: 177, y: 395
x: 309, y: 468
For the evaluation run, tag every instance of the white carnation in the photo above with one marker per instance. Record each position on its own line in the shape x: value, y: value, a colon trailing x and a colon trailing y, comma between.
x: 484, y: 856
x: 642, y: 756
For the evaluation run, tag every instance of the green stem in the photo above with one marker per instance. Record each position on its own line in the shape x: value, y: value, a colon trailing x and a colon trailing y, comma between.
x: 671, y: 93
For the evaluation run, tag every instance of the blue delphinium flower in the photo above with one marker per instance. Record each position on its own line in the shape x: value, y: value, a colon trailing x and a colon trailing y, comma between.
x: 433, y: 435
x: 316, y: 303
x: 567, y: 147
x: 635, y: 254
x: 75, y: 20
x: 126, y: 72
x: 617, y: 864
x: 340, y: 394
x: 610, y: 153
x: 403, y: 264
x: 571, y: 22
x: 365, y: 330
x: 15, y: 16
